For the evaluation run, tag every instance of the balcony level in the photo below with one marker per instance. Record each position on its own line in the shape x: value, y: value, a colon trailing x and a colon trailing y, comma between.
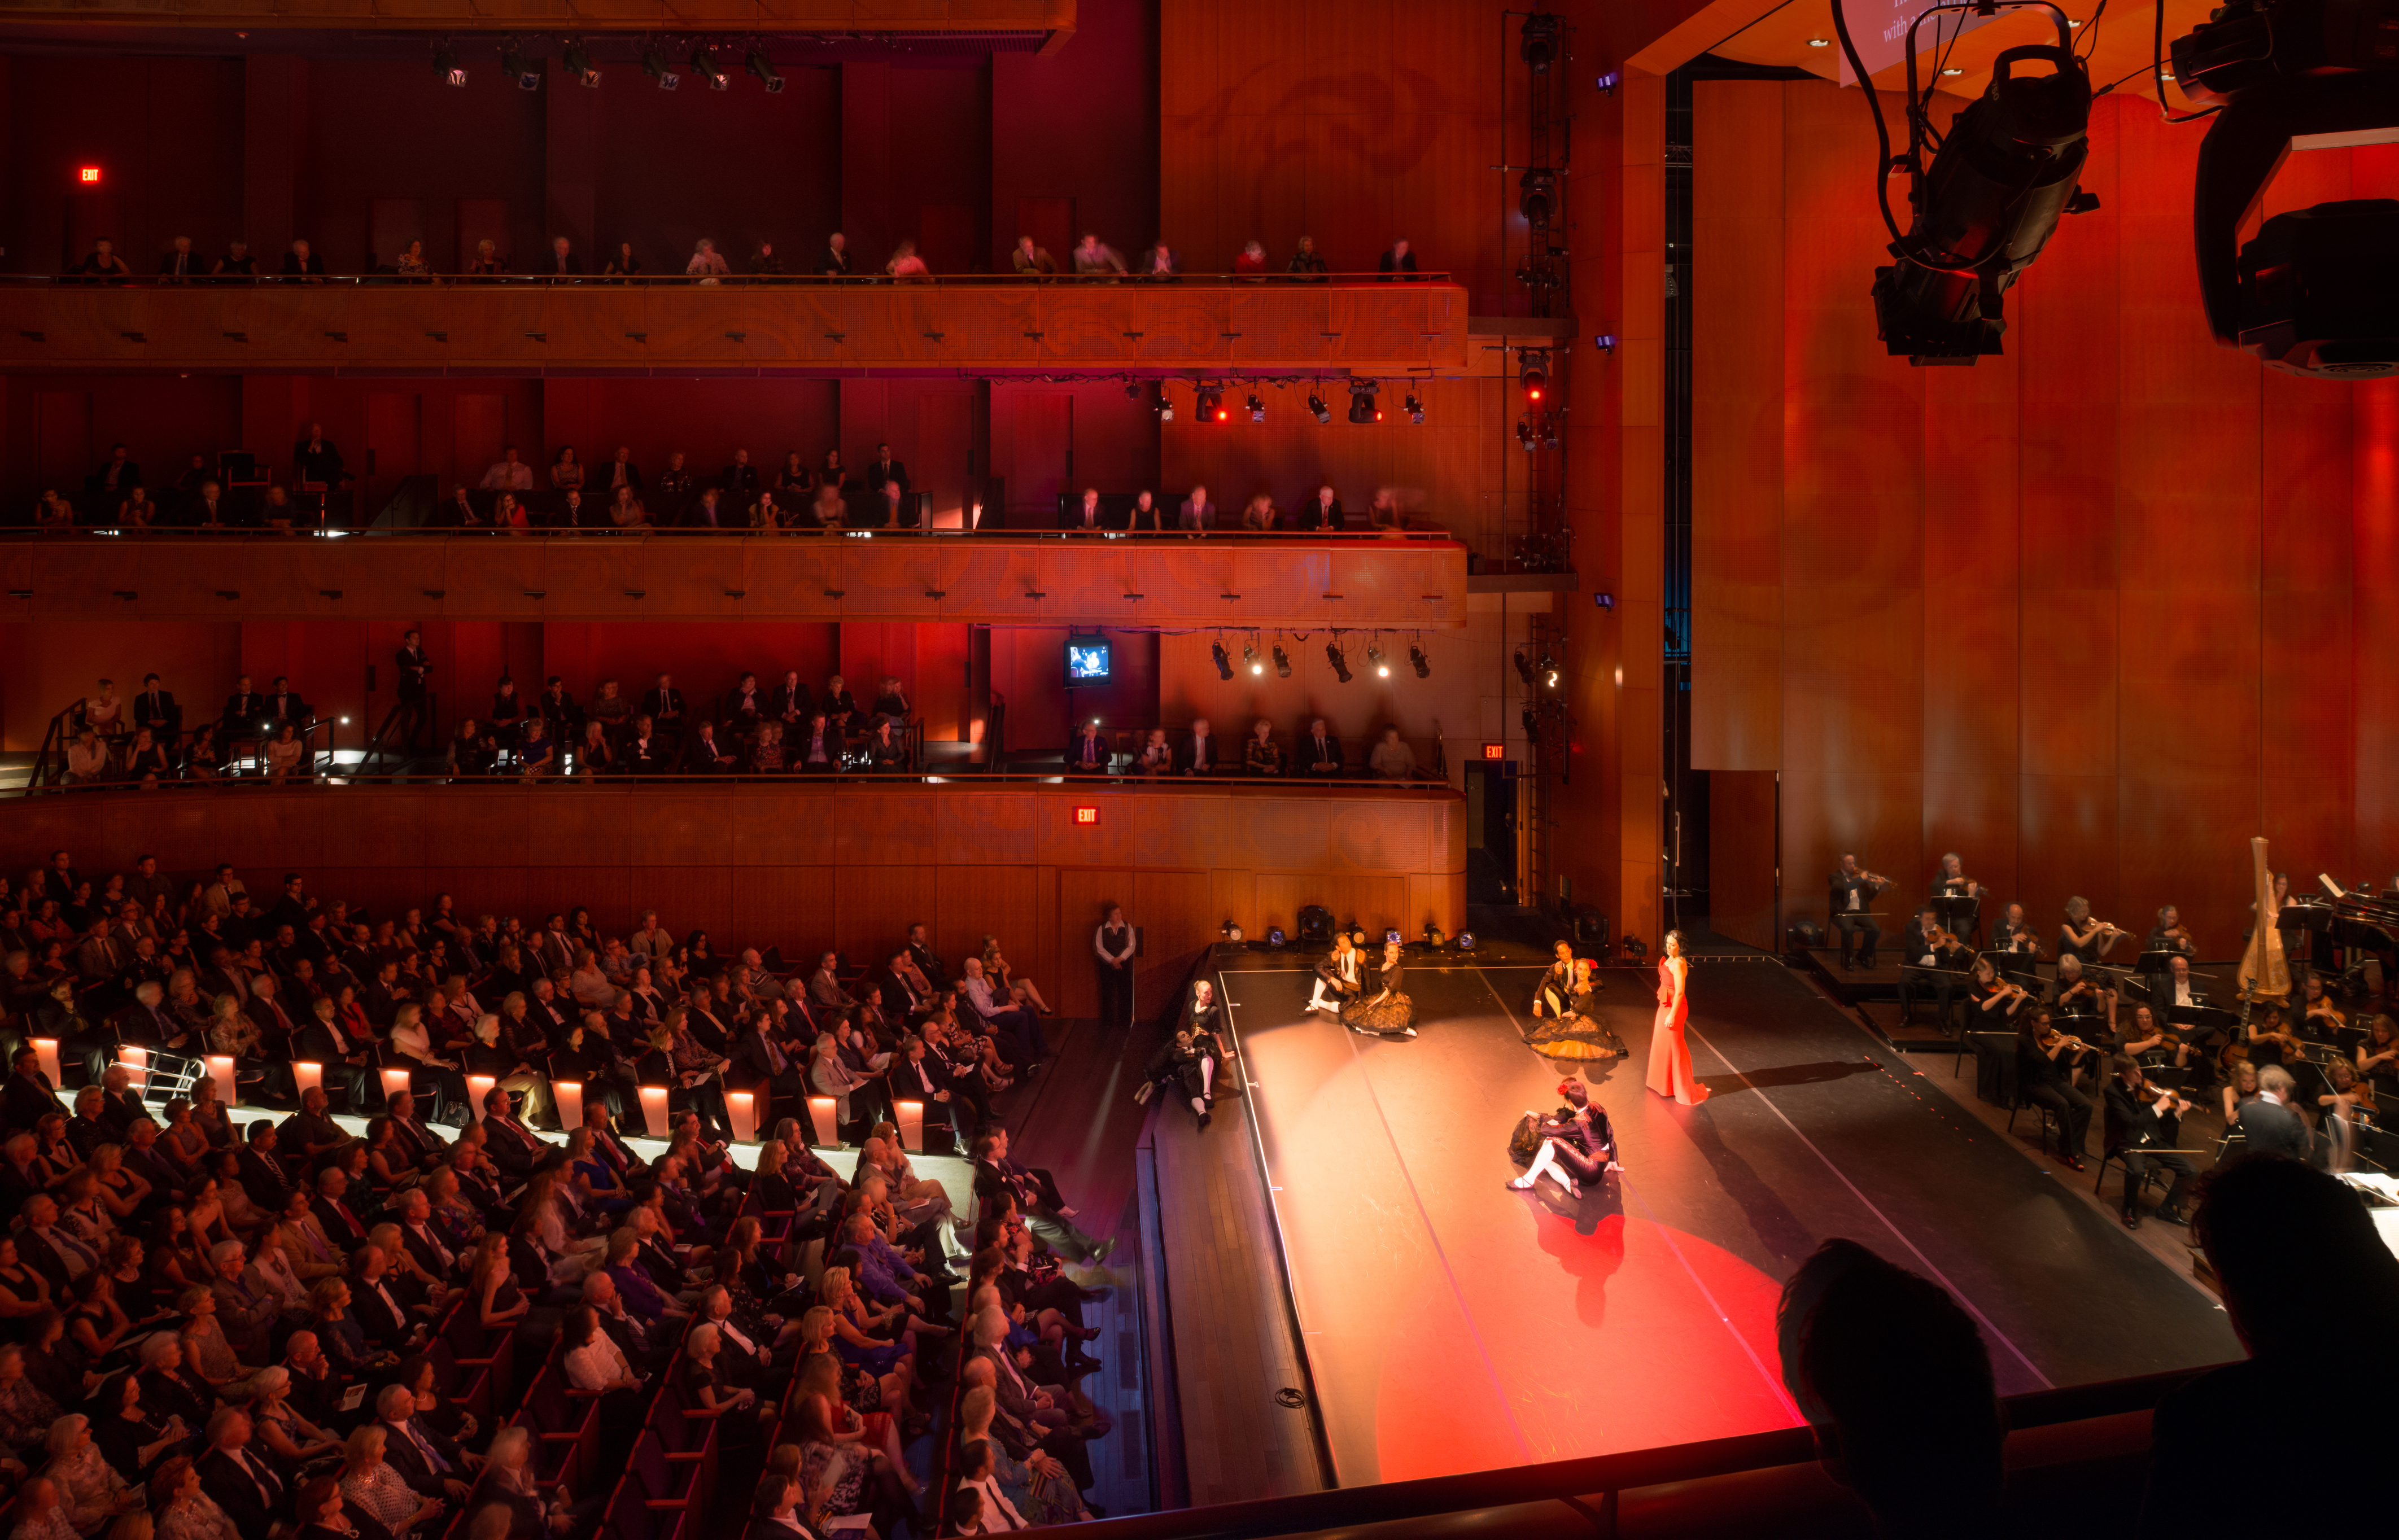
x: 530, y: 328
x: 1418, y: 583
x: 1040, y: 18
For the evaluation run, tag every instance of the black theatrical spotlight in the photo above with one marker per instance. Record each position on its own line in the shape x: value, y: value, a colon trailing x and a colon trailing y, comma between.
x: 1523, y: 667
x: 1537, y: 192
x: 445, y: 66
x: 1548, y: 431
x: 703, y: 64
x: 1418, y: 661
x: 1249, y: 659
x: 577, y: 60
x: 518, y: 66
x: 1535, y: 374
x: 1524, y: 436
x: 1165, y: 404
x: 1989, y: 201
x: 1212, y: 406
x: 1281, y: 662
x: 1340, y: 664
x: 1361, y: 402
x: 757, y: 63
x: 1416, y: 410
x: 1375, y: 660
x: 1316, y: 408
x: 1224, y: 660
x: 1537, y: 41
x: 654, y: 64
x: 1257, y: 408
x: 1132, y: 390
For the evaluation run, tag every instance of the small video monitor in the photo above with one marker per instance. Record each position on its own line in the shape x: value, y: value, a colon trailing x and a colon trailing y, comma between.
x: 1090, y: 660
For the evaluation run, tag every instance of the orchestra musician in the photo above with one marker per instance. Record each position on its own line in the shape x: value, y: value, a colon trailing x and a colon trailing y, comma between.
x: 2143, y: 1122
x: 2168, y: 933
x: 1953, y: 883
x: 2320, y: 1016
x: 2272, y: 1041
x: 1994, y: 1001
x: 2084, y: 936
x: 2043, y: 1077
x: 1853, y: 891
x: 2077, y: 994
x: 2015, y: 944
x: 2146, y: 1036
x: 1927, y: 946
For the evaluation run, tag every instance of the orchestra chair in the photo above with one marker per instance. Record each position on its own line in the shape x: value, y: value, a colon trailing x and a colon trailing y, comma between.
x: 2111, y: 1148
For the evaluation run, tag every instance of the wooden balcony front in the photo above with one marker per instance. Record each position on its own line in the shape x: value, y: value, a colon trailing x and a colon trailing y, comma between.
x: 530, y: 328
x: 582, y: 16
x: 1280, y: 583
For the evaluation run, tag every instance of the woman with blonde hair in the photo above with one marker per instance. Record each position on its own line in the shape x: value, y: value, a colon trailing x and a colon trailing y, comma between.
x: 1020, y: 989
x: 180, y: 1510
x: 375, y: 1489
x: 291, y: 1438
x: 90, y: 1491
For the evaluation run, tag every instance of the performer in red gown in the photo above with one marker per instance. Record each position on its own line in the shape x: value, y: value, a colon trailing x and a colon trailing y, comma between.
x: 1670, y: 1055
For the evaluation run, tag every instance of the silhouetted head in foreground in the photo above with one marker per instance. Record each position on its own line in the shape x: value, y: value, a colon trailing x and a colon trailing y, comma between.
x: 1893, y: 1378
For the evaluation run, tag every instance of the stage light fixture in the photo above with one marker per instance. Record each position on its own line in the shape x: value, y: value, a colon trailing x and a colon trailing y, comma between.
x: 1375, y: 660
x: 1537, y: 192
x: 1523, y: 667
x: 1316, y: 406
x: 1281, y: 662
x: 2312, y: 293
x: 1416, y: 410
x: 1224, y: 660
x: 1537, y: 41
x: 654, y: 64
x: 1250, y: 657
x: 1534, y: 374
x: 1417, y: 661
x: 757, y: 63
x: 1132, y: 390
x: 1212, y: 406
x: 1257, y: 408
x: 1999, y: 178
x: 1165, y: 404
x: 1549, y: 431
x: 1525, y: 435
x: 577, y: 60
x: 1340, y: 664
x: 446, y: 67
x: 1362, y: 408
x: 703, y: 64
x: 519, y: 67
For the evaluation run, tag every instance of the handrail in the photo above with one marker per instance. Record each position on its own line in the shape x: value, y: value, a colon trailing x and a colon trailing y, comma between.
x: 1429, y: 536
x: 336, y: 777
x: 1346, y: 1509
x: 708, y: 280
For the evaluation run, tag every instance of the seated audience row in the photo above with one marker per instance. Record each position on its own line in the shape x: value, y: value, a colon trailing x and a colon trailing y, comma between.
x: 1315, y: 752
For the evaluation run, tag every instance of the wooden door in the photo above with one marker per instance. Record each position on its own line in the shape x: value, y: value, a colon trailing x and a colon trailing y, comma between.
x: 392, y: 222
x: 944, y: 439
x: 1045, y: 457
x: 483, y: 219
x: 395, y: 445
x: 1050, y: 223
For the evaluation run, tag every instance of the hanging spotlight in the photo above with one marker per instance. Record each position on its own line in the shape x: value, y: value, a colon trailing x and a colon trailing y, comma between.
x: 577, y: 60
x: 445, y: 66
x: 1987, y: 204
x: 654, y: 64
x: 1212, y: 406
x: 1316, y: 406
x: 1548, y: 431
x: 1534, y: 373
x: 703, y: 64
x: 518, y: 67
x: 1537, y: 41
x: 1281, y: 662
x: 1340, y: 664
x: 1361, y: 402
x: 1535, y: 196
x: 1250, y: 657
x: 1132, y: 390
x: 1416, y: 410
x: 1224, y: 660
x: 1257, y: 408
x: 1165, y: 404
x: 1549, y: 668
x: 1418, y: 661
x: 757, y: 63
x: 1524, y: 436
x: 1375, y: 660
x: 1523, y: 667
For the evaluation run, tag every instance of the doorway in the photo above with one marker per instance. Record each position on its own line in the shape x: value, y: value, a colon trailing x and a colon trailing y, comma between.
x: 1491, y: 796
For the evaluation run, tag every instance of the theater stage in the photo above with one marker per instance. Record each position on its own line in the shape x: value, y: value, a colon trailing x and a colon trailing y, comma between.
x: 1450, y: 1324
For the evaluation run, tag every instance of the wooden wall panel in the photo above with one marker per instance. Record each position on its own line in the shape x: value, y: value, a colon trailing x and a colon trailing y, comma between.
x: 1175, y: 911
x: 2376, y: 543
x: 970, y: 902
x: 873, y: 904
x: 1741, y: 856
x: 790, y: 905
x: 1083, y: 895
x: 1378, y: 904
x: 689, y: 898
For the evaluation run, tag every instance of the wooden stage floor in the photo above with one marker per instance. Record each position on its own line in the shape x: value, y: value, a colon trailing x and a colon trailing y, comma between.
x: 1450, y: 1324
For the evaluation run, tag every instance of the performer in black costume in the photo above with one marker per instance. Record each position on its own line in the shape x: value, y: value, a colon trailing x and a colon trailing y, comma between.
x: 1567, y: 1019
x: 1189, y: 1059
x: 1577, y: 1143
x: 1385, y: 1012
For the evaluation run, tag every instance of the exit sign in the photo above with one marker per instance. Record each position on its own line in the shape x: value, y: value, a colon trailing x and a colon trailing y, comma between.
x: 89, y: 174
x: 1495, y: 750
x: 1086, y: 815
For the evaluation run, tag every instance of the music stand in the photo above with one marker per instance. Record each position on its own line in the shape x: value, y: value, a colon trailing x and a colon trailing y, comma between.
x: 1960, y: 913
x: 2200, y: 1023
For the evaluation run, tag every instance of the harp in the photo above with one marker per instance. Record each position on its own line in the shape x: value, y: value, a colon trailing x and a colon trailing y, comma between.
x: 2265, y: 975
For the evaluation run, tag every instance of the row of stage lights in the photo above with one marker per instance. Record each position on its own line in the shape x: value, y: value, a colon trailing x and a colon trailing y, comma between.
x: 522, y: 64
x: 1255, y: 663
x: 1365, y: 402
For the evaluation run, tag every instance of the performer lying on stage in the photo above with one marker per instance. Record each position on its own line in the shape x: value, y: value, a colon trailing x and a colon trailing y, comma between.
x: 1577, y: 1141
x: 1188, y: 1062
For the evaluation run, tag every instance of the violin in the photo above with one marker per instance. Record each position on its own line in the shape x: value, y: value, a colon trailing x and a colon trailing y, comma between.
x: 2055, y: 1037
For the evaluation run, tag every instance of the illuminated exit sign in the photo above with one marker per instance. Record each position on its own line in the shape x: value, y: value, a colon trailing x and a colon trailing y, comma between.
x: 1086, y: 815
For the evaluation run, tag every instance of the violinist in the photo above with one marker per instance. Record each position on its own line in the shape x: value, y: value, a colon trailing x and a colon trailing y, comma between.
x: 2146, y: 1036
x: 2271, y: 1040
x: 2017, y: 948
x: 2043, y: 1078
x: 1953, y: 883
x: 1853, y: 891
x: 2169, y: 935
x: 2080, y: 995
x: 2084, y: 936
x: 2143, y: 1121
x: 2320, y: 1016
x: 1935, y: 960
x: 1996, y: 1003
x: 2345, y: 1102
x: 2379, y: 1053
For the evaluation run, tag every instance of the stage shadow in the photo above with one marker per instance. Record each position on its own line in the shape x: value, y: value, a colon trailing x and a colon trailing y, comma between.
x: 1592, y: 1249
x: 1788, y: 1074
x: 1777, y: 1228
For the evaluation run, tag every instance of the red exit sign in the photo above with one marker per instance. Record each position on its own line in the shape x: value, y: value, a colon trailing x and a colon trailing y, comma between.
x: 1495, y: 750
x: 89, y: 174
x: 1086, y: 815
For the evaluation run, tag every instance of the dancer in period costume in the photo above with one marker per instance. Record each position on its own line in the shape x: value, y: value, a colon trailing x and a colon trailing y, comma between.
x: 1567, y: 1024
x: 1386, y: 1012
x: 1575, y: 1143
x: 1670, y: 1055
x: 1337, y: 983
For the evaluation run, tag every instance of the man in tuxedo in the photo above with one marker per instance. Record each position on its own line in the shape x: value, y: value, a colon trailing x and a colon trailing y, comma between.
x: 316, y: 461
x: 117, y: 474
x: 2269, y: 1123
x: 238, y: 1482
x: 1399, y: 258
x: 344, y: 1225
x: 283, y: 704
x: 1090, y: 754
x: 302, y: 264
x: 918, y: 1076
x: 208, y: 509
x: 418, y: 1143
x: 563, y: 263
x: 47, y: 1248
x: 741, y: 478
x: 431, y: 1464
x: 507, y: 1144
x: 265, y: 1175
x: 243, y: 719
x: 415, y: 669
x: 181, y: 264
x: 2139, y: 1130
x: 1195, y: 752
x: 1931, y: 968
x: 883, y: 469
x: 552, y: 948
x: 1195, y: 514
x: 1087, y: 515
x: 1854, y: 890
x: 928, y: 963
x: 155, y: 708
x: 379, y: 1298
x: 1319, y: 751
x: 663, y: 703
x: 619, y: 472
